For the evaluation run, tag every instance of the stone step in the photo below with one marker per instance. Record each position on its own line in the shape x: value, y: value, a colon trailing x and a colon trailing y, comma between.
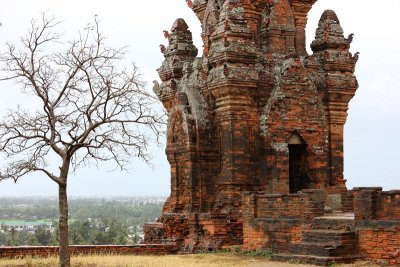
x: 338, y: 221
x: 338, y: 215
x: 318, y: 249
x: 331, y: 240
x: 322, y: 249
x: 330, y: 236
x: 312, y: 259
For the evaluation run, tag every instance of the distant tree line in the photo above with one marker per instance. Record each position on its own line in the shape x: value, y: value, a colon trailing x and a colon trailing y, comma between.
x: 93, y: 221
x: 41, y: 237
x: 85, y: 232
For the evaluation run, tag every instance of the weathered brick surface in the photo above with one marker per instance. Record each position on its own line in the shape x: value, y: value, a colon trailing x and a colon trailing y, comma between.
x: 268, y: 224
x: 154, y: 233
x: 152, y: 249
x: 378, y: 223
x: 275, y: 234
x: 304, y: 205
x: 366, y: 202
x: 371, y: 203
x: 348, y: 201
x: 388, y: 206
x: 380, y: 241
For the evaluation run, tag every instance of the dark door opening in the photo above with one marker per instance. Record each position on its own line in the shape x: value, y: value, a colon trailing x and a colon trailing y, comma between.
x: 298, y: 168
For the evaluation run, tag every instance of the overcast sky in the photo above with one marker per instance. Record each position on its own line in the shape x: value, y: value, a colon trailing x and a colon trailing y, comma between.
x: 372, y: 150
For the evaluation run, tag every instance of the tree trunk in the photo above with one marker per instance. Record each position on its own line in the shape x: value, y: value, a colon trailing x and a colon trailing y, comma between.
x: 63, y: 224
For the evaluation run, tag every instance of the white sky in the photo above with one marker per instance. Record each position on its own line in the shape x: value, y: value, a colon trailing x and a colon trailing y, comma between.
x: 372, y: 150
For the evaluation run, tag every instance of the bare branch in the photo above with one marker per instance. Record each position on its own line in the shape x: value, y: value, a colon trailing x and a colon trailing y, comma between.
x: 90, y: 110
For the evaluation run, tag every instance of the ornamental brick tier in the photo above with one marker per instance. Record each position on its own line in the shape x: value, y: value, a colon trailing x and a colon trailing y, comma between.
x: 255, y: 138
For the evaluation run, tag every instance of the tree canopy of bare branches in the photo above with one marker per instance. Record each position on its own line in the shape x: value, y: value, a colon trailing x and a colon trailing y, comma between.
x: 89, y: 109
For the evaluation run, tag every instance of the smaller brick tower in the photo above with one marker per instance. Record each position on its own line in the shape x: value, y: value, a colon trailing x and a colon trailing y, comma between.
x: 336, y: 66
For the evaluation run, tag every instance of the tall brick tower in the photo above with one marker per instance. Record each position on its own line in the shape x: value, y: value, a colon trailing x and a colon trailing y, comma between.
x: 254, y: 114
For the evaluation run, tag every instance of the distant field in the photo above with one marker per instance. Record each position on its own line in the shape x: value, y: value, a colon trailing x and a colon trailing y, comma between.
x: 197, y: 260
x: 33, y: 220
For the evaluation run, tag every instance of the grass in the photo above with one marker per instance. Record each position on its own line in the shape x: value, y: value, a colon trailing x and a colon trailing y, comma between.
x: 199, y: 260
x: 206, y: 260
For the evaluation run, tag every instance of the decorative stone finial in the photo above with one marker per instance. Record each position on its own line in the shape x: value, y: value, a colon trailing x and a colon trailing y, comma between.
x: 179, y: 25
x: 329, y: 33
x: 329, y: 16
x: 180, y: 41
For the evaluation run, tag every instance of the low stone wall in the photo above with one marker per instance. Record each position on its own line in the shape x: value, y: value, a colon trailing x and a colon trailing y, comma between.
x: 146, y: 249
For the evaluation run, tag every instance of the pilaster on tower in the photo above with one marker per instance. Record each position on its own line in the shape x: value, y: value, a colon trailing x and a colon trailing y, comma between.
x: 300, y: 12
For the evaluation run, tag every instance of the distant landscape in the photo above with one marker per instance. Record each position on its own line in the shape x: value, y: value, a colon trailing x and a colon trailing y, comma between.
x: 92, y: 221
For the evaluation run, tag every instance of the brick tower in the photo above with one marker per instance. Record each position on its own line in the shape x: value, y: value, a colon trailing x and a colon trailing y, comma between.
x: 254, y: 115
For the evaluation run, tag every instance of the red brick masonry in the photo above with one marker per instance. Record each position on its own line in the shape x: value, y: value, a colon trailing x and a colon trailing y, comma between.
x: 277, y: 222
x: 377, y: 216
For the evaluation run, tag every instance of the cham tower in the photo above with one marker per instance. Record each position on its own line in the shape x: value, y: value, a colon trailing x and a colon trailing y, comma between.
x: 255, y: 132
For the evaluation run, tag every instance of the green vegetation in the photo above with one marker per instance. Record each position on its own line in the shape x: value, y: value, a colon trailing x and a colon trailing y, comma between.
x: 266, y: 253
x: 41, y: 236
x: 237, y: 250
x: 92, y: 220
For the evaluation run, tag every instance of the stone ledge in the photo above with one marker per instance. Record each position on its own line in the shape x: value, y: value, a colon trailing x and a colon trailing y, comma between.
x: 377, y: 225
x: 279, y: 220
x: 367, y: 188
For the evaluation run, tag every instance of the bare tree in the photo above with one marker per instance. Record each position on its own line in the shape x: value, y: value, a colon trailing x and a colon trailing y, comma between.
x: 89, y: 110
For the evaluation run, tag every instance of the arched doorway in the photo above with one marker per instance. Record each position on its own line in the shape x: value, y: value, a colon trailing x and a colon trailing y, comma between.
x: 298, y: 164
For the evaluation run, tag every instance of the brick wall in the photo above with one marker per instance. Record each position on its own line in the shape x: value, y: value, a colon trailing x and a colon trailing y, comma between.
x: 380, y: 241
x: 388, y: 206
x: 377, y: 216
x: 276, y: 234
x: 147, y: 249
x: 306, y: 205
x: 371, y: 203
x: 276, y: 221
x: 348, y: 201
x: 195, y: 231
x: 172, y: 227
x: 153, y: 232
x: 365, y: 202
